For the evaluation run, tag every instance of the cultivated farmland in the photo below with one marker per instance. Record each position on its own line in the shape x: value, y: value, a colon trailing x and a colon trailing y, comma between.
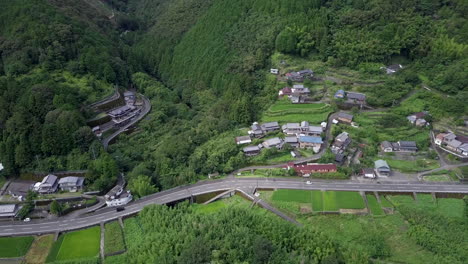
x: 13, y: 247
x: 83, y: 244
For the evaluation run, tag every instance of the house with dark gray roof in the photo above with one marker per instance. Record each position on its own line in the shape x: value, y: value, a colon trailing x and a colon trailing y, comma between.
x: 270, y: 126
x: 292, y: 140
x: 243, y: 140
x: 256, y: 130
x: 71, y: 183
x: 251, y: 151
x: 386, y: 146
x: 341, y: 142
x: 9, y: 210
x: 356, y: 98
x: 273, y: 143
x: 345, y: 118
x: 48, y: 185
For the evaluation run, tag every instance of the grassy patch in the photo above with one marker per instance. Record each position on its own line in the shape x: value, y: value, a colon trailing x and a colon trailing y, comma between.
x: 40, y: 249
x: 210, y: 208
x: 413, y: 166
x: 438, y: 178
x: 317, y: 201
x: 335, y: 200
x: 114, y: 240
x: 451, y: 207
x: 352, y: 229
x: 55, y: 249
x: 80, y: 244
x: 284, y: 112
x: 300, y: 196
x: 374, y: 205
x: 13, y: 247
x: 385, y: 203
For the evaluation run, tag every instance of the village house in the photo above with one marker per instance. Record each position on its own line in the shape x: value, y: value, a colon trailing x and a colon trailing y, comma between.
x: 300, y: 76
x: 345, y: 118
x: 341, y: 142
x: 71, y: 183
x: 273, y: 143
x: 340, y: 158
x: 123, y: 114
x: 356, y: 98
x: 340, y: 94
x: 286, y: 91
x: 418, y: 118
x: 391, y: 69
x: 292, y: 140
x: 274, y: 71
x: 256, y: 130
x: 48, y: 185
x: 9, y: 210
x: 251, y: 151
x: 118, y: 197
x: 386, y: 146
x: 310, y: 142
x: 382, y: 168
x: 307, y: 169
x: 401, y: 146
x: 457, y: 144
x: 129, y: 98
x: 243, y: 140
x: 300, y: 89
x: 291, y: 128
x: 368, y: 173
x: 269, y: 127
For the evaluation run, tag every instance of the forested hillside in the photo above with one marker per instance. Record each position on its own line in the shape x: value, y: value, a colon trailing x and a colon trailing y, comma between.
x: 203, y: 64
x: 53, y: 62
x: 214, y: 55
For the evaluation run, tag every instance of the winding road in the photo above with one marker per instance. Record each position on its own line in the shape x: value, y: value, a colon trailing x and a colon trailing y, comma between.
x: 183, y: 192
x: 145, y: 110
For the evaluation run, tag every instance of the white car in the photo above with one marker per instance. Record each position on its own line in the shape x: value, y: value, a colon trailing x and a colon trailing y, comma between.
x: 27, y: 219
x: 308, y: 182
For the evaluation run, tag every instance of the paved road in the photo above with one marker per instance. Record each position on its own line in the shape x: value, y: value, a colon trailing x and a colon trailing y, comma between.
x: 182, y: 192
x: 113, y: 97
x: 145, y: 110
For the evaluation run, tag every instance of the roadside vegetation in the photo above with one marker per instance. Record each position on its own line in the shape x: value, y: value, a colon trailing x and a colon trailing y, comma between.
x: 39, y: 250
x: 114, y: 239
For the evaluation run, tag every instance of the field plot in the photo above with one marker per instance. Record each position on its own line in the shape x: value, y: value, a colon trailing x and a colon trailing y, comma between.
x: 83, y: 244
x: 451, y: 207
x: 385, y: 203
x: 335, y: 200
x: 39, y: 249
x: 13, y: 247
x: 400, y: 199
x: 374, y: 205
x: 284, y: 112
x: 113, y: 238
x: 317, y: 201
x: 210, y: 208
x: 412, y: 166
x: 300, y: 196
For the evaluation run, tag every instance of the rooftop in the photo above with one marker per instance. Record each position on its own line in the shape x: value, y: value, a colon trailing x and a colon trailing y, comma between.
x: 251, y: 148
x: 381, y: 163
x: 345, y: 116
x: 357, y: 96
x: 7, y: 208
x: 309, y: 139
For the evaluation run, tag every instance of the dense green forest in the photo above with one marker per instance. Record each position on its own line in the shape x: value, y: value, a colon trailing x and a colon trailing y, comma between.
x: 233, y: 235
x: 203, y: 64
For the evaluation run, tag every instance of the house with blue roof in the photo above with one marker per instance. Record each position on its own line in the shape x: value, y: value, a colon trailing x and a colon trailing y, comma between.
x: 310, y: 142
x: 340, y: 94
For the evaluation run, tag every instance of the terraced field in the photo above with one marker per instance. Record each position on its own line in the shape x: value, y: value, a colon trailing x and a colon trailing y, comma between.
x: 284, y: 112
